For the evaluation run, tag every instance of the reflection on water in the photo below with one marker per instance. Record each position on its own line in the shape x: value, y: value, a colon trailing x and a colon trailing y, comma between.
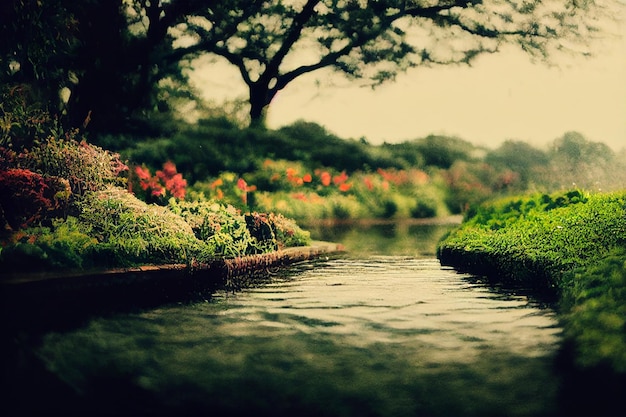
x: 397, y: 238
x: 369, y: 334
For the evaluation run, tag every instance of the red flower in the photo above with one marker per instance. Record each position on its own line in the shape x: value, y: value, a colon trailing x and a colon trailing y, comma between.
x: 169, y: 169
x: 307, y: 178
x: 142, y: 173
x: 176, y: 186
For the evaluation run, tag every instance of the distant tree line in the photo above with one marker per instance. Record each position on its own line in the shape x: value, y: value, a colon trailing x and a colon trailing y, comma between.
x: 213, y: 146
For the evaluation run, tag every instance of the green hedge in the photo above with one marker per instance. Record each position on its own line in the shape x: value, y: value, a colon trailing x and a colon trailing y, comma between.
x: 571, y: 245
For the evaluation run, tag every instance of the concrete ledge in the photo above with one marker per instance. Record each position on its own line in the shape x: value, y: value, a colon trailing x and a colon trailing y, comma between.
x: 53, y: 298
x: 229, y: 266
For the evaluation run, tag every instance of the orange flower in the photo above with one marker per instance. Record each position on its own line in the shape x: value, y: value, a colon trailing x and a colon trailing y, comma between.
x: 368, y: 183
x: 299, y: 196
x: 325, y: 178
x: 307, y: 178
x: 341, y: 178
x: 218, y: 182
x: 344, y: 187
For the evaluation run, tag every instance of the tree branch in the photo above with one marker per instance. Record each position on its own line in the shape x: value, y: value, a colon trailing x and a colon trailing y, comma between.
x: 292, y: 37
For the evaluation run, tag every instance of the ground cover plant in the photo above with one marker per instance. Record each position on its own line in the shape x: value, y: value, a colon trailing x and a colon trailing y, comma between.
x: 65, y: 203
x: 571, y: 245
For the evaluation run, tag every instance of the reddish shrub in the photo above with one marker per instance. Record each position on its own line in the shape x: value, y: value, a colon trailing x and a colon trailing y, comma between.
x: 27, y: 197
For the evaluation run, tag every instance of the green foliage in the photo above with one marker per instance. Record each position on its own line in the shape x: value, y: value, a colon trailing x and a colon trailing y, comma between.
x: 434, y: 151
x: 65, y: 244
x: 208, y: 149
x: 231, y: 234
x: 86, y: 167
x: 520, y: 158
x: 424, y: 209
x: 23, y: 120
x: 222, y: 227
x: 533, y: 240
x: 130, y: 231
x: 594, y: 303
x: 571, y: 244
x: 287, y: 232
x: 111, y: 73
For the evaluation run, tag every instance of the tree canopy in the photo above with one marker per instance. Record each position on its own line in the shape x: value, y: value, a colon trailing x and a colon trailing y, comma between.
x: 113, y: 57
x: 274, y: 42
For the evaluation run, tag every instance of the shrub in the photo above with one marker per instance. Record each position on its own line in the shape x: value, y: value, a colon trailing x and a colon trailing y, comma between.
x: 65, y: 244
x: 594, y: 303
x: 23, y: 120
x: 222, y: 227
x: 86, y: 167
x: 131, y: 231
x: 27, y: 197
x: 287, y: 232
x: 423, y: 209
x: 570, y: 243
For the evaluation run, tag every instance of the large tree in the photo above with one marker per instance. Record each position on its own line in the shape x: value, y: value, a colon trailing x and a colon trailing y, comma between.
x: 111, y: 55
x: 108, y: 56
x: 274, y: 42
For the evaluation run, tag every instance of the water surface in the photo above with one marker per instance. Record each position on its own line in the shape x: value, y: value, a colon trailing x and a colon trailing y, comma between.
x: 381, y: 331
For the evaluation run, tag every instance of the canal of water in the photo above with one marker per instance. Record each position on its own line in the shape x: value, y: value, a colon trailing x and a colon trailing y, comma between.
x: 383, y: 330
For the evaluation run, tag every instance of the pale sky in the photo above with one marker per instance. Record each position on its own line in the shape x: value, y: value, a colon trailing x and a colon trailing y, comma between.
x: 502, y: 96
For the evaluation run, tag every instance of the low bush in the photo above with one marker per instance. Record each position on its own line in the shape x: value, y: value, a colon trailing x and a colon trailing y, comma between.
x: 594, y: 309
x: 570, y: 244
x: 222, y: 227
x: 130, y: 231
x: 64, y: 244
x: 86, y: 167
x: 27, y: 197
x: 114, y: 228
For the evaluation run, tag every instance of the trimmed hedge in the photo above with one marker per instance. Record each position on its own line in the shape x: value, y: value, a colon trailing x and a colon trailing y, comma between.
x: 571, y: 245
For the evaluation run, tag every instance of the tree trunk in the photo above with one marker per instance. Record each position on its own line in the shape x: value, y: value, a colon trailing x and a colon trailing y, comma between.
x: 259, y: 101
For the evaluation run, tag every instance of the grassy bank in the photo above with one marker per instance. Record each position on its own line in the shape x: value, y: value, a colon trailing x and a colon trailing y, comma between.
x: 571, y: 245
